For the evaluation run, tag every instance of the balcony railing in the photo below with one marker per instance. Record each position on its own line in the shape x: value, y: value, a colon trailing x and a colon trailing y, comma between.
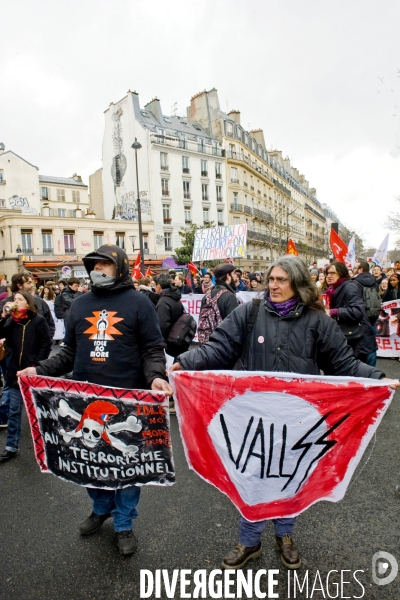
x: 164, y: 168
x: 70, y: 250
x: 165, y: 192
x: 188, y: 221
x: 261, y: 214
x: 251, y: 163
x: 47, y: 250
x: 220, y: 223
x: 27, y: 251
x: 219, y: 198
x: 186, y: 170
x: 218, y: 175
x: 186, y: 195
x: 168, y: 248
x: 204, y: 173
x: 205, y: 197
x: 283, y: 188
x: 247, y: 210
x: 234, y: 180
x: 167, y: 220
x: 237, y: 207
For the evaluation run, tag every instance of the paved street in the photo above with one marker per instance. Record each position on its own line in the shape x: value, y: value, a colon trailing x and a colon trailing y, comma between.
x: 188, y: 526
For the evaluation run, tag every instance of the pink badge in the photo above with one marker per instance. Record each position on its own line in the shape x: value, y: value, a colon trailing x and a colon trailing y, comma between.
x: 261, y: 339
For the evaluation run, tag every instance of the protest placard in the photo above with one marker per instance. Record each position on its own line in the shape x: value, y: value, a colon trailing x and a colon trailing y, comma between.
x: 276, y: 443
x: 388, y: 330
x: 99, y: 437
x: 217, y: 243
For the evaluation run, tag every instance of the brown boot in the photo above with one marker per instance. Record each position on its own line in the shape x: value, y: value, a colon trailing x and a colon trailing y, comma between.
x: 290, y: 556
x: 238, y: 556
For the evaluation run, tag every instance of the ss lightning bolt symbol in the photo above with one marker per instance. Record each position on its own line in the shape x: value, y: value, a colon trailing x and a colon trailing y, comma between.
x: 302, y: 444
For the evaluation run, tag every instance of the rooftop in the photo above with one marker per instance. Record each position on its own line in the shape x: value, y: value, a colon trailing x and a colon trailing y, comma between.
x: 61, y: 180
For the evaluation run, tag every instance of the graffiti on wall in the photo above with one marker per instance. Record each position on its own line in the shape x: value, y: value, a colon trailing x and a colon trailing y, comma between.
x: 118, y: 166
x: 22, y: 204
x: 127, y: 209
x: 160, y: 240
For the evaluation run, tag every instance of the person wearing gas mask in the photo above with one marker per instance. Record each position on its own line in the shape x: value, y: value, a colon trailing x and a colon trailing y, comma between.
x: 135, y: 359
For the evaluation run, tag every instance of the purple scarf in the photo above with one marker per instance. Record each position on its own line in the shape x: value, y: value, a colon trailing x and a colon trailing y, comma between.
x: 284, y: 308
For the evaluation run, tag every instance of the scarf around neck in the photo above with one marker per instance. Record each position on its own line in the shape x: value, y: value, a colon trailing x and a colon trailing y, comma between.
x: 284, y: 308
x: 19, y: 315
x: 333, y: 287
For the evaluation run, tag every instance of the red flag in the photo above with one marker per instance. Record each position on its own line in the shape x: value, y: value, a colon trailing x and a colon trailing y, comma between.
x: 338, y: 246
x: 276, y: 443
x: 148, y: 272
x: 136, y: 273
x: 291, y: 248
x: 192, y: 267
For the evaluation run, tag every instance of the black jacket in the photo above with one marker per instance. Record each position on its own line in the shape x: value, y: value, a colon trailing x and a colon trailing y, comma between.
x: 348, y: 299
x: 226, y: 302
x: 391, y: 293
x: 112, y: 337
x: 147, y: 291
x: 169, y: 308
x: 28, y: 342
x: 63, y: 302
x: 304, y: 341
x: 43, y: 310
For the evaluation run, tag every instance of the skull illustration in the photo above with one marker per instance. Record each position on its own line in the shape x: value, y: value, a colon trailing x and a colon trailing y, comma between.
x: 91, y: 432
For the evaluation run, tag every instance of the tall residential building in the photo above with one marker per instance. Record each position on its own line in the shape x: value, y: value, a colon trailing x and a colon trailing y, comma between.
x: 263, y: 189
x: 181, y: 171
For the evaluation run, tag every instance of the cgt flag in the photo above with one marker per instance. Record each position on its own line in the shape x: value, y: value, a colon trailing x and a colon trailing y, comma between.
x: 99, y: 437
x: 277, y: 443
x: 136, y: 272
x: 338, y: 247
x: 291, y: 248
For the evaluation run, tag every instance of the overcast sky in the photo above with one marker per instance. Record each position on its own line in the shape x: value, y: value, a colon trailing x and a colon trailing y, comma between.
x: 307, y: 72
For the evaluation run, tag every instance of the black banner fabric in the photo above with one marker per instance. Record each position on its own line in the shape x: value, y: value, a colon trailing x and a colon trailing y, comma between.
x: 99, y: 437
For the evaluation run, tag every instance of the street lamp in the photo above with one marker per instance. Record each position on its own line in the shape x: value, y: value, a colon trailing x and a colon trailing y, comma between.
x: 136, y: 146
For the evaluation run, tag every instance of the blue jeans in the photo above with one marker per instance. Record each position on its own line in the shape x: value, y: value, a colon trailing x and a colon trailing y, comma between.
x: 250, y: 533
x: 120, y: 503
x: 12, y: 400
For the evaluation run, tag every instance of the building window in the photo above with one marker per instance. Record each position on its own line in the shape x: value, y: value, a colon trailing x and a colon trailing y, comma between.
x: 47, y: 241
x: 204, y: 191
x: 120, y: 239
x: 201, y: 147
x: 2, y: 203
x: 234, y: 175
x: 204, y: 169
x: 229, y: 128
x: 44, y: 193
x: 61, y: 212
x: 76, y: 195
x: 146, y: 243
x: 164, y: 161
x: 166, y: 209
x: 206, y: 216
x: 236, y: 220
x: 218, y: 190
x: 218, y: 173
x: 182, y: 142
x: 98, y: 239
x: 220, y: 215
x: 60, y: 195
x: 165, y: 187
x: 167, y: 240
x: 186, y: 189
x: 185, y: 164
x: 69, y: 242
x: 160, y: 136
x: 188, y: 215
x: 26, y: 240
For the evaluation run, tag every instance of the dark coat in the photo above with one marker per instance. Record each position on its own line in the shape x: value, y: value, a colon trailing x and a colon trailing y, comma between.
x: 130, y: 352
x: 169, y: 308
x: 305, y: 341
x: 63, y: 302
x: 391, y: 293
x: 147, y: 291
x: 348, y: 299
x: 43, y: 310
x: 227, y: 302
x: 28, y: 342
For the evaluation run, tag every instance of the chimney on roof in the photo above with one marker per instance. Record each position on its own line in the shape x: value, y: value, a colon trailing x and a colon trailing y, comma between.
x: 2, y: 147
x: 77, y: 177
x: 258, y: 135
x: 235, y: 115
x: 155, y: 108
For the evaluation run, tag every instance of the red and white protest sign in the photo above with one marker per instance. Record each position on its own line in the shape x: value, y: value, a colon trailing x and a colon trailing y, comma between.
x: 388, y: 330
x: 277, y: 443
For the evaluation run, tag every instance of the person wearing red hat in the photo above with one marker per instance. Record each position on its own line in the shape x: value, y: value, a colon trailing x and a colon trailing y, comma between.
x: 135, y: 360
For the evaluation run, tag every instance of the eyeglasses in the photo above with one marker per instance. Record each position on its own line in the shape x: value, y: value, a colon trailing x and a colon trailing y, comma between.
x: 331, y: 273
x: 277, y: 280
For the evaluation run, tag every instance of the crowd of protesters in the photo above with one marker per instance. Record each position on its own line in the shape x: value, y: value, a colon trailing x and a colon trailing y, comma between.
x: 333, y: 298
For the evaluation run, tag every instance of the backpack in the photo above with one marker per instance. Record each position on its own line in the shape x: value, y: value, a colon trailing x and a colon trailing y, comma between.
x: 181, y: 334
x: 210, y: 317
x: 372, y: 303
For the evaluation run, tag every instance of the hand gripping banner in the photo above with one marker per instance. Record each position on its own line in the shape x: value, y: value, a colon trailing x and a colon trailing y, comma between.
x: 99, y: 437
x: 276, y: 443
